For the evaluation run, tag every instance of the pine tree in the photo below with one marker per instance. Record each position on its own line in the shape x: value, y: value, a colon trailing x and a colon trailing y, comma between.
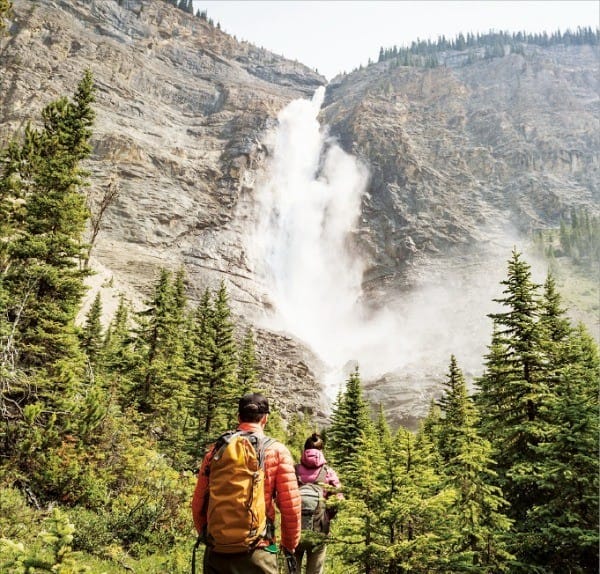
x: 224, y: 363
x: 247, y: 372
x: 454, y: 404
x: 160, y: 376
x: 117, y: 340
x: 514, y: 386
x: 43, y: 277
x: 43, y: 216
x: 478, y: 505
x: 91, y: 335
x: 213, y: 363
x: 350, y: 420
x: 199, y: 361
x: 427, y: 525
x: 534, y: 407
x: 565, y: 522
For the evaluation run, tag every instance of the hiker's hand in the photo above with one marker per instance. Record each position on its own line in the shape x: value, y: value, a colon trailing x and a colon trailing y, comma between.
x: 291, y: 561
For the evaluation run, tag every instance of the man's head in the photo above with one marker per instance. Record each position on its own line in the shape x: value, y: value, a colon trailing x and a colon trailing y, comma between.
x: 252, y: 408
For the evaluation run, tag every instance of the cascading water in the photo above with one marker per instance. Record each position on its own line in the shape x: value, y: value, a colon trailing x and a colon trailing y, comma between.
x: 308, y: 206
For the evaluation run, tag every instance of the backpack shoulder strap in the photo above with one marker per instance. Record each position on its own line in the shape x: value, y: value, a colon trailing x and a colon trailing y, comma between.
x: 216, y: 450
x: 260, y: 444
x: 322, y: 474
x: 297, y: 471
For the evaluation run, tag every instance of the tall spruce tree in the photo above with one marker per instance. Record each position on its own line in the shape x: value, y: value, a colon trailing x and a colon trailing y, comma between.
x: 199, y: 361
x: 247, y: 373
x: 454, y: 405
x: 212, y: 360
x: 41, y: 280
x: 42, y: 271
x: 91, y: 334
x: 225, y: 383
x: 350, y: 420
x: 564, y: 525
x: 534, y: 407
x: 514, y: 386
x: 478, y: 505
x: 160, y: 379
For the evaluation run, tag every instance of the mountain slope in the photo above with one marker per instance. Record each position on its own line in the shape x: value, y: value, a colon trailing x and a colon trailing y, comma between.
x: 464, y: 161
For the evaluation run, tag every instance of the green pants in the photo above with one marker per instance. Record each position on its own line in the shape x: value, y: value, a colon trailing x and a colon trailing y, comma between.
x: 257, y: 562
x: 315, y: 557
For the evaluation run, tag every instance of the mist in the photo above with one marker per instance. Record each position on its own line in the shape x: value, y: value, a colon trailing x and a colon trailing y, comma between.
x: 308, y: 206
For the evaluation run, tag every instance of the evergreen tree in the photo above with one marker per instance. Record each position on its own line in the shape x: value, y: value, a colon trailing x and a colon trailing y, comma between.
x: 199, y: 361
x: 478, y: 505
x: 514, y: 386
x: 540, y: 413
x: 224, y: 362
x: 42, y: 273
x: 41, y: 282
x: 91, y: 335
x: 160, y: 377
x: 365, y: 493
x: 247, y: 373
x: 454, y: 404
x: 564, y: 525
x: 213, y: 363
x: 350, y: 420
x: 119, y: 357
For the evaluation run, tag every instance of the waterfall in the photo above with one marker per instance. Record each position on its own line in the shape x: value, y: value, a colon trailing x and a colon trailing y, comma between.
x: 308, y: 206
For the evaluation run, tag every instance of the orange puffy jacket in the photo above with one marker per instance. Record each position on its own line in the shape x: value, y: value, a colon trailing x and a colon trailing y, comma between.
x: 281, y: 486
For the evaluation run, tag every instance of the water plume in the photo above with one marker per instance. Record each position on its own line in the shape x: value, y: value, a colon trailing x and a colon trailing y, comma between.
x: 308, y: 207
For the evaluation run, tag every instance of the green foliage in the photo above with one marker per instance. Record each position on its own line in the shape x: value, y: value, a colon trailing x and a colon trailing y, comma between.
x: 5, y: 7
x: 426, y: 53
x: 535, y: 381
x: 55, y: 554
x: 350, y: 423
x: 91, y: 335
x: 104, y: 427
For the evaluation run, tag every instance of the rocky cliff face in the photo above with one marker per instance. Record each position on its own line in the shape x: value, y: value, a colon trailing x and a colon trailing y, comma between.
x: 457, y: 155
x: 181, y: 108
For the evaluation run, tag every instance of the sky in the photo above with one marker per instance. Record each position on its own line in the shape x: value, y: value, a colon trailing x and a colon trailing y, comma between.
x: 337, y: 36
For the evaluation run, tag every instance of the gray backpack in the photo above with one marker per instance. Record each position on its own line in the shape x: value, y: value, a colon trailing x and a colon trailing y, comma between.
x: 314, y: 514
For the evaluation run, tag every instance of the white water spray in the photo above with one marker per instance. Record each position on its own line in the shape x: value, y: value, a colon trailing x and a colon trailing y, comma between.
x: 308, y: 207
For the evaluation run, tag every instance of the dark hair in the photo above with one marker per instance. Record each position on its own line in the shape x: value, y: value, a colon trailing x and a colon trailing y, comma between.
x: 314, y: 441
x: 252, y: 407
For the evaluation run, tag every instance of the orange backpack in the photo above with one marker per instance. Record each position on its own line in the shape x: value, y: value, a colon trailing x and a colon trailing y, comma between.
x: 236, y: 516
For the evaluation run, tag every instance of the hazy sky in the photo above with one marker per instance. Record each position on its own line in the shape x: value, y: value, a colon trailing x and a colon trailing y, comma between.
x: 338, y: 35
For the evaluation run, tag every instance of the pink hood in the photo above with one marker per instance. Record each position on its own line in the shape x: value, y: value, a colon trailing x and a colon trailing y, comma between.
x: 311, y: 462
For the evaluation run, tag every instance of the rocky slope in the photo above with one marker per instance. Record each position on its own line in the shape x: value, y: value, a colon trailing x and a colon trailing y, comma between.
x: 459, y: 153
x: 463, y: 159
x: 181, y: 107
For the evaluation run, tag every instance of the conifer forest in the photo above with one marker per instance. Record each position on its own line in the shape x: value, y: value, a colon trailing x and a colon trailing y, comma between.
x: 102, y: 428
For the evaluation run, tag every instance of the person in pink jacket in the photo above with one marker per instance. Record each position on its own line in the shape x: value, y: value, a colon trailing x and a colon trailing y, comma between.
x: 313, y: 469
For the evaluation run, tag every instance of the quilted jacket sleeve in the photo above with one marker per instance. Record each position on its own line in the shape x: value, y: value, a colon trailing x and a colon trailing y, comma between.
x: 200, y: 495
x: 332, y: 479
x: 283, y: 487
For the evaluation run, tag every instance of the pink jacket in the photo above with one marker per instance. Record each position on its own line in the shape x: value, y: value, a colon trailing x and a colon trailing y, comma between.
x: 310, y: 465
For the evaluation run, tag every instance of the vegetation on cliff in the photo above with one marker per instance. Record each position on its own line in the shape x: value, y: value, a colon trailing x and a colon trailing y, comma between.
x: 491, y: 45
x: 101, y: 429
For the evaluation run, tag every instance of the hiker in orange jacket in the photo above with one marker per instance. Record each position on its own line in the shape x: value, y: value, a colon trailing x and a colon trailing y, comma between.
x: 280, y: 486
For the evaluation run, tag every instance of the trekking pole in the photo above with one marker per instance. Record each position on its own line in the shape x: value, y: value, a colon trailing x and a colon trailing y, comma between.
x: 292, y: 564
x: 198, y: 541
